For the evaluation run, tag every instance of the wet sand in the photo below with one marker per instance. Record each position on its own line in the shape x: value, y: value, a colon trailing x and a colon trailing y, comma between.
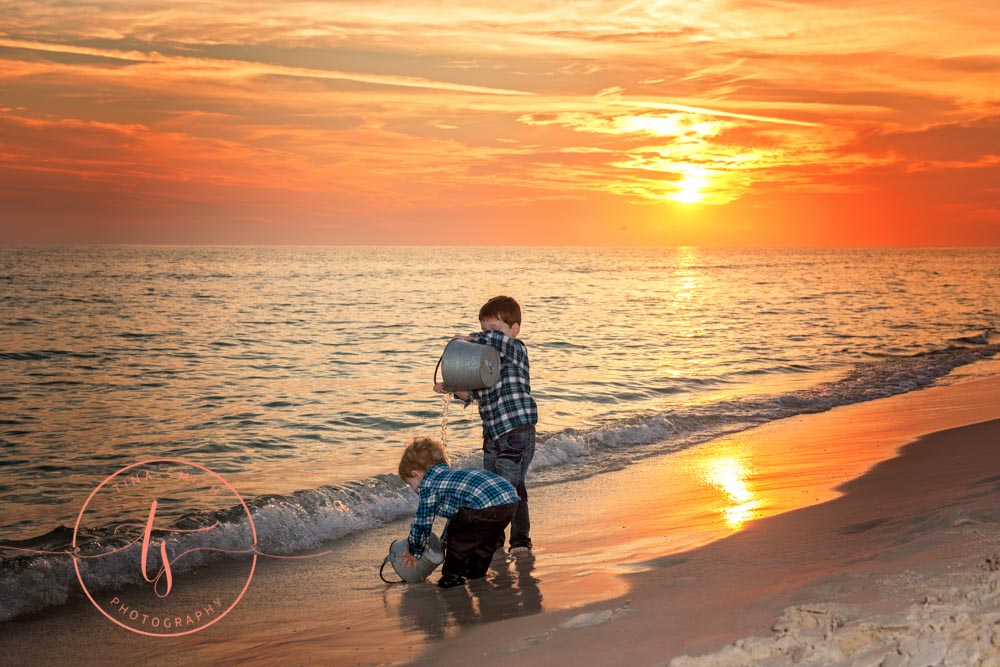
x: 674, y: 555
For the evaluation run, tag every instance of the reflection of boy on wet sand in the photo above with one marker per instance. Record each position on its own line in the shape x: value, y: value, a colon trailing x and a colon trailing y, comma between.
x: 509, y: 593
x: 478, y: 505
x: 512, y: 592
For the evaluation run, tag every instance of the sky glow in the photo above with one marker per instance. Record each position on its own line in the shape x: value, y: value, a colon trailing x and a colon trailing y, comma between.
x: 744, y: 123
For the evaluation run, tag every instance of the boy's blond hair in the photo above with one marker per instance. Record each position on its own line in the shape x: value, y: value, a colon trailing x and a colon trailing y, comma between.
x: 421, y: 455
x: 504, y: 308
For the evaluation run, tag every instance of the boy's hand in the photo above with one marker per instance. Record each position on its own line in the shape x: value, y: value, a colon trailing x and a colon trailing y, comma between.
x: 409, y: 561
x: 441, y: 389
x: 467, y: 339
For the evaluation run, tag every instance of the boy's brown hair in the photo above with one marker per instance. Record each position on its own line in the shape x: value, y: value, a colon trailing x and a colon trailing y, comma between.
x: 421, y: 455
x: 504, y: 308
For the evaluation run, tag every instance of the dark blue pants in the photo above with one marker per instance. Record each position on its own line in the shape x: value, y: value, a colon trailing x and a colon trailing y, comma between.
x: 473, y: 538
x: 509, y: 456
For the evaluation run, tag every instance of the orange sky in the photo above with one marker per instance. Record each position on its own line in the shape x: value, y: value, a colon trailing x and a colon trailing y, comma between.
x: 744, y: 122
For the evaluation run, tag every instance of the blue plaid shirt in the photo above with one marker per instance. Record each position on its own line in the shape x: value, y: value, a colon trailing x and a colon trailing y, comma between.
x: 508, y: 403
x: 444, y: 490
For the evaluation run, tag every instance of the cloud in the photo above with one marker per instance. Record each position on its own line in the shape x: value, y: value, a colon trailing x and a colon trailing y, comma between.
x: 220, y: 69
x: 969, y: 142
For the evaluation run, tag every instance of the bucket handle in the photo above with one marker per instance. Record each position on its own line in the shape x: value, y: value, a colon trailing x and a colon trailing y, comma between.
x: 440, y: 359
x: 382, y: 576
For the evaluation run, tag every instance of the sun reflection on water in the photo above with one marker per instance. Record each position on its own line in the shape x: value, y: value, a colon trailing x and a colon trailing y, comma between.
x: 729, y: 475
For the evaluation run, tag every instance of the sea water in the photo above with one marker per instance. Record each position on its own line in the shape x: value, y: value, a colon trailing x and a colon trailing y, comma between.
x: 297, y: 374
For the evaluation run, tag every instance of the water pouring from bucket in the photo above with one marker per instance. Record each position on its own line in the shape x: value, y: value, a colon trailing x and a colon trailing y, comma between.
x: 445, y: 399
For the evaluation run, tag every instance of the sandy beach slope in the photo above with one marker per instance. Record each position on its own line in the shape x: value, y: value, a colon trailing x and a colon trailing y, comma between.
x: 811, y: 525
x: 899, y: 570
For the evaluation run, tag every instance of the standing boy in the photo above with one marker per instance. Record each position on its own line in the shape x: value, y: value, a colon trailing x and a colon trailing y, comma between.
x: 507, y: 409
x: 478, y: 505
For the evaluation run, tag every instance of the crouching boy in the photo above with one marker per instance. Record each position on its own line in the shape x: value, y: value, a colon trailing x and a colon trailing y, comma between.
x: 478, y: 505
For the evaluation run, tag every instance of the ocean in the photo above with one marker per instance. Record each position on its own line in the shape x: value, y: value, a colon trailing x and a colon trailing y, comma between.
x: 293, y: 376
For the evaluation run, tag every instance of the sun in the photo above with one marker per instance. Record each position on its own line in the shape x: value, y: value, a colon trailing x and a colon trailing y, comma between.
x: 691, y: 187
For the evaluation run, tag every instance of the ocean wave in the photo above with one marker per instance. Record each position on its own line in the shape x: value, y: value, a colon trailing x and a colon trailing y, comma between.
x: 39, y: 355
x: 663, y: 432
x: 978, y: 339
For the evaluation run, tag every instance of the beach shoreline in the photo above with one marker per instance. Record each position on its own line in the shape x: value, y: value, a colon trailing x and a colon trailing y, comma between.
x: 636, y: 566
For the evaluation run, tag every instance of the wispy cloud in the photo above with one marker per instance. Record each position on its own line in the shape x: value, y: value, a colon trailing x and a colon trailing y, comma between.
x: 225, y: 69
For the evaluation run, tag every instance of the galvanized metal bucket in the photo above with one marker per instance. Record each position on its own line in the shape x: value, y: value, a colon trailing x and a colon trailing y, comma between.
x: 466, y: 366
x: 432, y: 557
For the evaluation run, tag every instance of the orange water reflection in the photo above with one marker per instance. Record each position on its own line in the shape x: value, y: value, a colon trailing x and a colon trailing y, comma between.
x: 729, y: 475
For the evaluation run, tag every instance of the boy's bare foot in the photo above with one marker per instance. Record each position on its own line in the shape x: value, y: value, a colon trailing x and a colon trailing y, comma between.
x: 517, y: 551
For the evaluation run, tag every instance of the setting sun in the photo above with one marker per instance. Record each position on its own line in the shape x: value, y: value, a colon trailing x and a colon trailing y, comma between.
x: 690, y: 189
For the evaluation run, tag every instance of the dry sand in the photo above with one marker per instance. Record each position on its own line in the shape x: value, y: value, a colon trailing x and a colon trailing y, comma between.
x: 674, y: 556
